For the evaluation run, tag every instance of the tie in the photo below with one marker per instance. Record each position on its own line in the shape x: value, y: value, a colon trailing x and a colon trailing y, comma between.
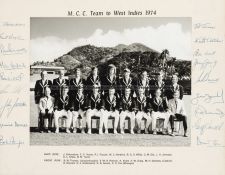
x: 176, y: 104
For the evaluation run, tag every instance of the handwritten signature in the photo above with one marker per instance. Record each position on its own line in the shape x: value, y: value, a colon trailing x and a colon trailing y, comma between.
x: 206, y: 68
x: 9, y: 50
x: 12, y: 65
x: 208, y: 142
x: 201, y: 111
x: 208, y: 98
x: 11, y: 36
x: 10, y: 105
x: 203, y: 125
x: 10, y: 141
x: 206, y: 25
x: 11, y: 76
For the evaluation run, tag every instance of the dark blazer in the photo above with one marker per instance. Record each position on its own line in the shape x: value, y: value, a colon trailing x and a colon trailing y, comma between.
x: 160, y: 106
x: 39, y: 89
x: 107, y: 83
x: 110, y: 105
x: 94, y: 103
x: 142, y: 104
x: 90, y: 82
x: 77, y: 103
x: 155, y: 85
x: 127, y: 104
x: 57, y: 87
x: 139, y: 83
x: 123, y: 84
x: 170, y: 91
x: 75, y: 85
x: 61, y: 104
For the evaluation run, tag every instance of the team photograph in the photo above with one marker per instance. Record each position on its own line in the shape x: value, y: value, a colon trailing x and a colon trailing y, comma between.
x: 110, y: 81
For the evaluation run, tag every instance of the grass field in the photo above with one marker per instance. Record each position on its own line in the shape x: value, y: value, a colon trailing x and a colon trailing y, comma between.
x: 63, y: 138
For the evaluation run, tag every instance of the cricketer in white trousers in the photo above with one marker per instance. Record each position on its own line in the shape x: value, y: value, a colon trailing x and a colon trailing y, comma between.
x: 75, y: 115
x: 160, y: 115
x: 94, y: 112
x: 63, y: 113
x: 131, y: 116
x: 114, y: 114
x: 147, y: 116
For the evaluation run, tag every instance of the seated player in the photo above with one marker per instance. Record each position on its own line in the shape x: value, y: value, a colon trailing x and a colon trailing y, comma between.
x: 63, y: 109
x: 127, y: 108
x: 177, y: 110
x: 46, y: 106
x: 94, y: 108
x: 159, y: 110
x: 78, y: 109
x: 143, y: 110
x: 111, y: 109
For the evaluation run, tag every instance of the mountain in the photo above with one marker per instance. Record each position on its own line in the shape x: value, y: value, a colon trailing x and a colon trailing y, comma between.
x: 137, y: 47
x: 135, y: 56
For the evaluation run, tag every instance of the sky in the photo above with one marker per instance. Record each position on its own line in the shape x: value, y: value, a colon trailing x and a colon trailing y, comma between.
x: 53, y: 37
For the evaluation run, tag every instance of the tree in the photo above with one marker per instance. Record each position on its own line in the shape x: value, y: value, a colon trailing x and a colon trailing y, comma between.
x: 163, y: 56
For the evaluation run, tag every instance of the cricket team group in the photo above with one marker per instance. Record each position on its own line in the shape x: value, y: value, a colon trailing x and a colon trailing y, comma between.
x: 110, y: 97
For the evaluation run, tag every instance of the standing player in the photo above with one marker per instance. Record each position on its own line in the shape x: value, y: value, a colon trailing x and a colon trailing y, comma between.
x: 40, y: 86
x: 58, y: 85
x: 158, y: 84
x: 127, y: 108
x: 174, y: 86
x: 78, y: 109
x: 126, y: 82
x: 63, y: 109
x: 76, y: 82
x: 143, y: 110
x: 111, y: 109
x: 110, y: 80
x: 144, y: 83
x: 92, y: 80
x: 95, y: 108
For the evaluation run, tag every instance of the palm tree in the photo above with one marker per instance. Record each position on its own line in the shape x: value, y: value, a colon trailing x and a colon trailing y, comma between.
x: 165, y: 53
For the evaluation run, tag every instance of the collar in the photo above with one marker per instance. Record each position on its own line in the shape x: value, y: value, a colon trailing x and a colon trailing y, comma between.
x: 74, y: 82
x: 129, y: 99
x: 95, y: 99
x: 66, y: 99
x: 141, y: 100
x: 129, y: 81
x: 113, y: 99
x: 94, y: 81
x: 45, y: 83
x: 109, y: 79
x: 158, y: 103
x: 81, y: 98
x: 63, y: 81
